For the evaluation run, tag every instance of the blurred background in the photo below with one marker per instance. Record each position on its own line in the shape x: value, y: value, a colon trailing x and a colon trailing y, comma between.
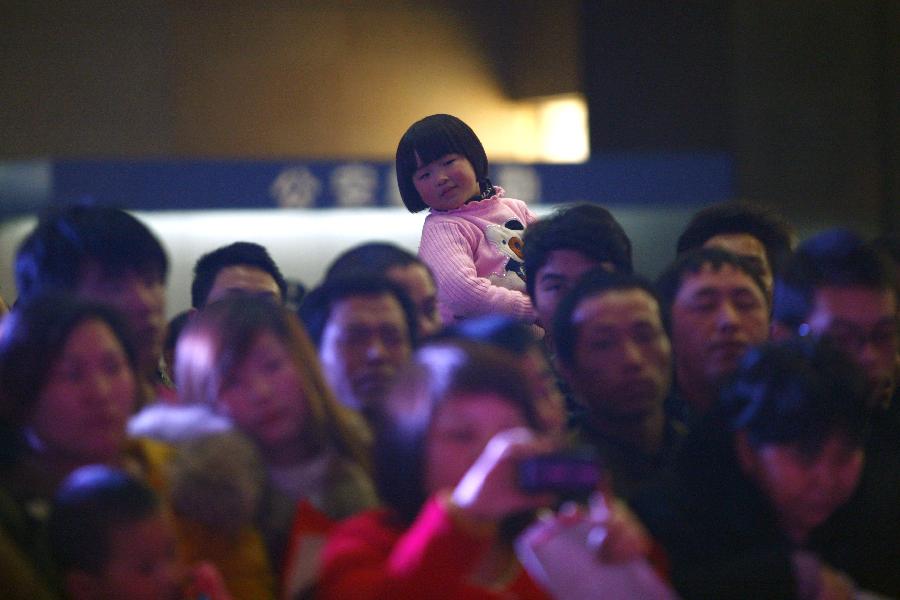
x: 277, y: 121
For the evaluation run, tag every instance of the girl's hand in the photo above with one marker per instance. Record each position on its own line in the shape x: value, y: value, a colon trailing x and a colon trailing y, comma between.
x: 490, y: 490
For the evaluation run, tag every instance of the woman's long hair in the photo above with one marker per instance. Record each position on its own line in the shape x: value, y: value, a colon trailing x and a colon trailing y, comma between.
x: 219, y: 338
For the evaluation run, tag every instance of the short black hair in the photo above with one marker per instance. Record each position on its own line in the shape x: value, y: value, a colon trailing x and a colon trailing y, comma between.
x: 239, y: 253
x: 836, y: 257
x: 92, y: 502
x: 740, y: 216
x: 593, y: 283
x: 692, y: 262
x: 53, y: 256
x: 33, y: 337
x: 796, y: 392
x: 318, y: 304
x: 371, y: 258
x: 586, y: 228
x: 429, y: 139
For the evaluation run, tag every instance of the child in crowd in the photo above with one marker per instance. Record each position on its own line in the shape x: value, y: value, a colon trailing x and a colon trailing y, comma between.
x: 472, y: 237
x: 111, y: 539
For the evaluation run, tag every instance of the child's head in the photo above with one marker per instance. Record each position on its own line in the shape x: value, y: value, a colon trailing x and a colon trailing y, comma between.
x: 110, y: 538
x: 430, y: 139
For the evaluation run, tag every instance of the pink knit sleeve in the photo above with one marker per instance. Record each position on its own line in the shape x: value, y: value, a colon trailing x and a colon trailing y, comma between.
x: 448, y: 248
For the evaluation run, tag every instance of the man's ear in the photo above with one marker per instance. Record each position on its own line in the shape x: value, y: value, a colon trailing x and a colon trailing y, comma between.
x: 81, y: 585
x: 779, y: 332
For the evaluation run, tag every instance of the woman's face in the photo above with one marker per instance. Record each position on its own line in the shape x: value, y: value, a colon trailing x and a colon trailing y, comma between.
x: 805, y: 490
x: 264, y: 394
x: 84, y: 406
x: 460, y: 430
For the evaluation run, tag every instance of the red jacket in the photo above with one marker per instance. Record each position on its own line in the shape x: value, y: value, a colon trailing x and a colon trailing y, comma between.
x: 368, y: 557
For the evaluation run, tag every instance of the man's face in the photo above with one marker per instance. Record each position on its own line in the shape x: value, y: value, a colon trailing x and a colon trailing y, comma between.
x: 142, y: 300
x: 558, y: 275
x: 863, y: 323
x: 748, y: 247
x: 622, y: 358
x: 364, y: 343
x: 243, y: 280
x: 418, y: 283
x: 717, y: 316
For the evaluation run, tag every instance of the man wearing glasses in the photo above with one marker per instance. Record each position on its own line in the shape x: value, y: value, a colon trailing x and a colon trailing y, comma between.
x: 838, y: 287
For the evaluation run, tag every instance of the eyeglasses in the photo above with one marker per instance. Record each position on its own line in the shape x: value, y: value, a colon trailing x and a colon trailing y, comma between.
x: 853, y: 339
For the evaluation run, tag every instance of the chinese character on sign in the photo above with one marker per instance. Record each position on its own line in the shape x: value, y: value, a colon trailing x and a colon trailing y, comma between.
x: 354, y: 185
x: 295, y: 187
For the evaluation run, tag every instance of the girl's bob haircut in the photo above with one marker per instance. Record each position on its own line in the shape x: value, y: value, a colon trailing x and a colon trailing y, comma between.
x: 428, y: 140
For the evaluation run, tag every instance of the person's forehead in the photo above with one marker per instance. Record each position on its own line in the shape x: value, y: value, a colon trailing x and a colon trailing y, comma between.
x: 412, y: 276
x: 567, y: 261
x: 737, y: 242
x: 725, y: 277
x: 230, y: 271
x: 244, y: 277
x: 92, y: 272
x: 368, y: 308
x: 617, y: 307
x: 477, y: 407
x: 857, y: 304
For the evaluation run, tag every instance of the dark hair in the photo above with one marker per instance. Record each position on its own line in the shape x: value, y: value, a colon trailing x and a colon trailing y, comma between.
x: 835, y: 257
x: 796, y: 392
x: 239, y: 253
x: 371, y: 258
x: 586, y: 228
x: 501, y: 331
x: 437, y: 372
x: 740, y: 216
x: 594, y: 283
x: 692, y: 262
x: 429, y: 139
x: 52, y: 257
x: 317, y: 305
x: 31, y: 341
x: 90, y: 504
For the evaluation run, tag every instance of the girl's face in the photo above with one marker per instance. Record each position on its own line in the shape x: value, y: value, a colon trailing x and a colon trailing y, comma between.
x: 264, y: 394
x: 446, y: 183
x: 804, y: 490
x: 83, y: 408
x: 460, y: 430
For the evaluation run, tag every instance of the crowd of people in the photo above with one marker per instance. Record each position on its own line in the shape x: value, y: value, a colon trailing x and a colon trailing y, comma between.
x: 368, y: 440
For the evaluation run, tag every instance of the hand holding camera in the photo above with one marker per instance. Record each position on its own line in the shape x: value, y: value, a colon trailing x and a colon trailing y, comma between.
x: 490, y: 489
